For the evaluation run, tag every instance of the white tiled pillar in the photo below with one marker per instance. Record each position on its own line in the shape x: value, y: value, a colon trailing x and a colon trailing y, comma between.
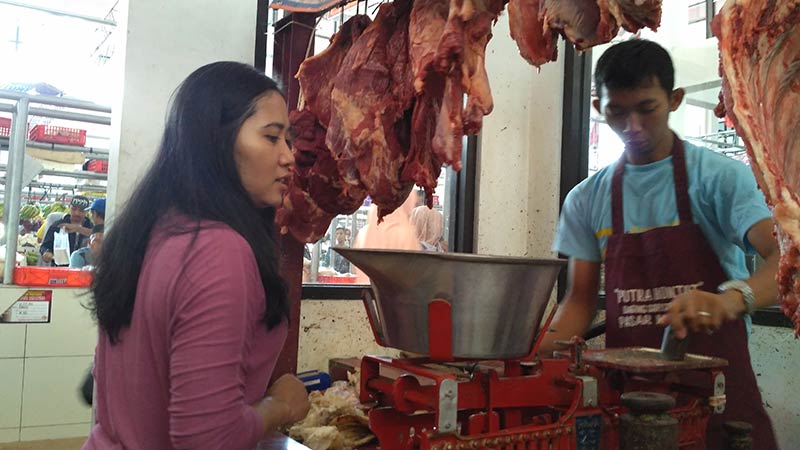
x: 520, y: 152
x: 161, y: 42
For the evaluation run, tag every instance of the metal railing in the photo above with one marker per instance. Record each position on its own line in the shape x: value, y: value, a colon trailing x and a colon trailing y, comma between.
x: 21, y: 109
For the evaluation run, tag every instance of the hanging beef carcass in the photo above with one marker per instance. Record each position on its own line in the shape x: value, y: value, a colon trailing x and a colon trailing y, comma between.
x: 476, y: 79
x: 316, y: 192
x: 528, y: 30
x: 315, y: 73
x: 585, y: 23
x: 633, y: 15
x: 369, y: 131
x: 535, y: 24
x: 759, y: 42
x: 300, y: 214
x: 460, y: 59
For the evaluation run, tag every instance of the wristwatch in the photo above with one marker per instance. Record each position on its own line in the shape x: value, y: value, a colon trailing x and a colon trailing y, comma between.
x: 745, y: 289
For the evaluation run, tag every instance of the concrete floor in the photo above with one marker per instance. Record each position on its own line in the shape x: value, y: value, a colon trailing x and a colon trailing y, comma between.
x: 55, y: 444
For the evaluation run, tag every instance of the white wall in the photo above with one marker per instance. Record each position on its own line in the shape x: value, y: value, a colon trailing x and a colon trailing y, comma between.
x: 520, y: 153
x: 161, y: 43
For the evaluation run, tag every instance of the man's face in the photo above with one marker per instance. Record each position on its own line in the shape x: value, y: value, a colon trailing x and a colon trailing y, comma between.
x: 640, y: 117
x: 76, y: 214
x: 340, y: 236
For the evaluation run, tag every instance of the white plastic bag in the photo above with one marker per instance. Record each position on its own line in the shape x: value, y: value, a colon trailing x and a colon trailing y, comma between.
x: 61, y: 248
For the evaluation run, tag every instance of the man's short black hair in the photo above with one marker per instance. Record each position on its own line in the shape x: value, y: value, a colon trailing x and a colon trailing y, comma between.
x: 632, y: 64
x: 339, y: 228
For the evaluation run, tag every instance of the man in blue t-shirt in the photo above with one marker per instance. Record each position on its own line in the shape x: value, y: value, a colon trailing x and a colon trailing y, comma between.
x: 671, y: 222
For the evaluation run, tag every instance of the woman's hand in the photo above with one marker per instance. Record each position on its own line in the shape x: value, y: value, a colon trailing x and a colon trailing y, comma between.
x: 291, y: 392
x: 286, y: 403
x: 702, y: 311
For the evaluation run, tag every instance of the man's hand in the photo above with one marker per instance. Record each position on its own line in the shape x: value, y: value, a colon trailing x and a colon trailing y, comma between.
x: 71, y: 227
x: 47, y: 257
x: 702, y: 311
x: 76, y: 228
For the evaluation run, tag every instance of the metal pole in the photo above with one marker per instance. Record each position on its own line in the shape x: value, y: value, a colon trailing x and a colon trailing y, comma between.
x: 314, y: 262
x: 90, y: 152
x: 80, y: 174
x: 52, y: 100
x: 16, y: 159
x: 57, y: 114
x: 60, y: 13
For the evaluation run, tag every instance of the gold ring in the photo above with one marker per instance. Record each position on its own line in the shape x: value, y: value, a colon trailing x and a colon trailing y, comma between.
x: 703, y: 314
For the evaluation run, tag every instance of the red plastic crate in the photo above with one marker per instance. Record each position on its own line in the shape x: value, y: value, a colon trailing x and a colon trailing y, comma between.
x: 336, y: 279
x: 58, y: 135
x: 5, y: 127
x: 98, y: 165
x: 52, y: 276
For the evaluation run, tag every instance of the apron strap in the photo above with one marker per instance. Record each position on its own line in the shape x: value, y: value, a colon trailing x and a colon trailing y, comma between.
x: 680, y: 177
x: 617, y: 218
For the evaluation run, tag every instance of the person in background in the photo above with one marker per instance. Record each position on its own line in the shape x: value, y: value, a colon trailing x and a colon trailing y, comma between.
x: 340, y: 263
x: 348, y: 237
x: 395, y: 232
x: 98, y: 211
x: 668, y: 218
x: 86, y: 256
x: 428, y: 223
x: 75, y: 223
x: 191, y: 309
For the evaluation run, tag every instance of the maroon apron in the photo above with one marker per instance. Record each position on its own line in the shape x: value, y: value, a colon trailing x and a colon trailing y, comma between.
x: 644, y: 271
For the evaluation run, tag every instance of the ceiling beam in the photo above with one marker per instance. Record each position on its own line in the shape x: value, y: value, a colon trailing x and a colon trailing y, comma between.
x: 57, y: 12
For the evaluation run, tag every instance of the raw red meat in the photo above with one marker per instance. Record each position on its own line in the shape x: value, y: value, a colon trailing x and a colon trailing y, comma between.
x: 479, y: 93
x: 582, y: 22
x: 316, y: 191
x: 315, y: 73
x: 535, y: 24
x: 759, y: 42
x: 460, y: 57
x: 301, y: 217
x: 633, y: 15
x: 369, y: 131
x: 428, y: 19
x: 528, y: 30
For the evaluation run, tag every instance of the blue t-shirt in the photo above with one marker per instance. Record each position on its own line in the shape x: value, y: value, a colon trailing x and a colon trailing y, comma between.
x: 725, y: 202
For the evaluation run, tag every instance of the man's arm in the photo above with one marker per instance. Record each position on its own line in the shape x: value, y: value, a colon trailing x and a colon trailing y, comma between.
x: 47, y: 244
x: 77, y: 228
x: 579, y: 307
x: 683, y: 312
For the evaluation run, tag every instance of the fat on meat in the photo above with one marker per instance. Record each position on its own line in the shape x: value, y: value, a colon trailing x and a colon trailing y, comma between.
x: 369, y: 131
x: 759, y: 43
x: 314, y: 74
x: 527, y: 27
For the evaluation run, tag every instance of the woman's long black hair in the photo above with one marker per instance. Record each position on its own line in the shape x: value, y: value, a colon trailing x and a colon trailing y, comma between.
x: 194, y: 174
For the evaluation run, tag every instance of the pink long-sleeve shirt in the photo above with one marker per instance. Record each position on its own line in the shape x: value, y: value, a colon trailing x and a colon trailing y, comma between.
x: 196, y: 354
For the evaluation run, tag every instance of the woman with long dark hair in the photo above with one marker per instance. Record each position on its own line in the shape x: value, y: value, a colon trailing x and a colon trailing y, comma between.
x: 191, y: 308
